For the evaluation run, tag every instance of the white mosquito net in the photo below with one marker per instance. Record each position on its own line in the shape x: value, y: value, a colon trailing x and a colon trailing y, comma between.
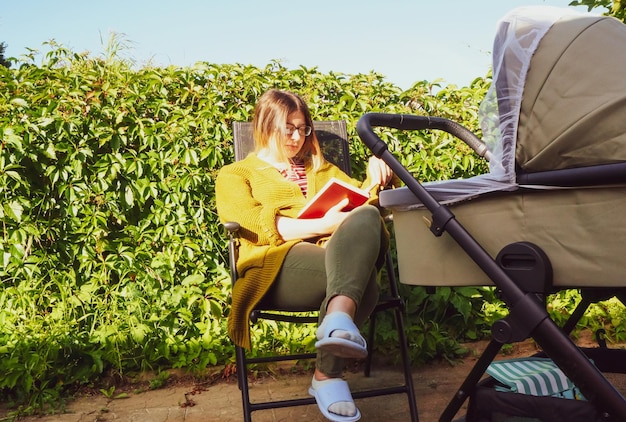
x: 518, y: 35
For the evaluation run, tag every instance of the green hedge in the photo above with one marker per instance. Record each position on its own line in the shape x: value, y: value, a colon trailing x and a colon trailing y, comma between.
x: 112, y: 259
x: 111, y: 254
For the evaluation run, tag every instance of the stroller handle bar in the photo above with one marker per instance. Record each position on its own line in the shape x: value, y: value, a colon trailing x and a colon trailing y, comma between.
x: 411, y: 122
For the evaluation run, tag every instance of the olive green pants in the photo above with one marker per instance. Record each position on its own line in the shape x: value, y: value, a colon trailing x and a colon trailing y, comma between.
x: 311, y: 275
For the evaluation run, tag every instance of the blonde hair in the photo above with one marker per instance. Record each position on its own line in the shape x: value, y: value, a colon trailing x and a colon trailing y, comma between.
x: 270, y: 120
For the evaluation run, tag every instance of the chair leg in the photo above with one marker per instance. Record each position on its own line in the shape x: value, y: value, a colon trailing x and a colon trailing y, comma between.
x: 370, y: 345
x: 403, y: 343
x: 242, y: 381
x: 406, y: 364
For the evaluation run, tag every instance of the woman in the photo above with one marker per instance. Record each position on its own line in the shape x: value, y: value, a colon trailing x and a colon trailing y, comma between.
x: 285, y: 262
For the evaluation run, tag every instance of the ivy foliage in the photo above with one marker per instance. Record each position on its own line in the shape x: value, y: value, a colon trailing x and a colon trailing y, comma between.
x: 615, y: 8
x: 112, y: 258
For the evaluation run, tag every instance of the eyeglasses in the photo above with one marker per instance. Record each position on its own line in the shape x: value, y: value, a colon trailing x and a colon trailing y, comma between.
x: 302, y: 130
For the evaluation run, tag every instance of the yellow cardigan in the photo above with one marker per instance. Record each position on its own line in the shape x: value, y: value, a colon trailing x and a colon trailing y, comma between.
x: 252, y: 193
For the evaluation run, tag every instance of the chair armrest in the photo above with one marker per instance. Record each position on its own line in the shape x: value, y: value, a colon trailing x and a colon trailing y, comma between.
x: 232, y: 226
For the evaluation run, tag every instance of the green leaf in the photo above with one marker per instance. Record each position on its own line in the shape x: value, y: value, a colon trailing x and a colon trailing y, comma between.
x: 19, y: 102
x: 129, y: 196
x: 14, y: 211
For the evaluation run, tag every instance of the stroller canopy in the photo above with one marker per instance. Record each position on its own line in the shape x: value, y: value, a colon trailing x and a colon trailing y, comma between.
x: 557, y: 101
x: 558, y: 97
x: 554, y: 119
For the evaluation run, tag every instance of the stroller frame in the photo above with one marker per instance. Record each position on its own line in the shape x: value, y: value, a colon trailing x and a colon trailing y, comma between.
x: 528, y: 316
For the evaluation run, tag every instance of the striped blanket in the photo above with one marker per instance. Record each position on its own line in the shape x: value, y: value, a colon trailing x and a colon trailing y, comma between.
x: 534, y: 376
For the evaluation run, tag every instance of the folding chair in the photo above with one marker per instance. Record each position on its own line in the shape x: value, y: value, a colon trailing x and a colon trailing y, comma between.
x: 332, y: 136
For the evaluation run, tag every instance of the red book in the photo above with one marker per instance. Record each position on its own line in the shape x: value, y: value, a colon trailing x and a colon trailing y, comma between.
x: 333, y: 192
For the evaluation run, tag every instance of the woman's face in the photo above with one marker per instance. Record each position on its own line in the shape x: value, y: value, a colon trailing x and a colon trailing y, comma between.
x: 295, y: 134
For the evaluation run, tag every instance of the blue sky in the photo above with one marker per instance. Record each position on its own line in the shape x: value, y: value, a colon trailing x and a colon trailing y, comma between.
x: 405, y: 40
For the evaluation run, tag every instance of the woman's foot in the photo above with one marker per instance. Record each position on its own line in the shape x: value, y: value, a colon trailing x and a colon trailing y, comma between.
x: 338, y: 335
x: 334, y: 398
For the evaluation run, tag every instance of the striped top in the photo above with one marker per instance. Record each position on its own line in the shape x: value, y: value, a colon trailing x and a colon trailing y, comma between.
x: 296, y: 173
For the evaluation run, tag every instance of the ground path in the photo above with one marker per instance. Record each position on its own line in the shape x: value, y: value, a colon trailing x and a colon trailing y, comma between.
x: 185, y: 400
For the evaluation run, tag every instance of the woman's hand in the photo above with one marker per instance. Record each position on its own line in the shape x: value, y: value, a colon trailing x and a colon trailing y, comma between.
x: 334, y: 216
x: 293, y: 228
x: 379, y: 171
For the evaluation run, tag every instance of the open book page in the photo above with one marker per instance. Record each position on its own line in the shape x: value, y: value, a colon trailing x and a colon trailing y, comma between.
x: 333, y: 192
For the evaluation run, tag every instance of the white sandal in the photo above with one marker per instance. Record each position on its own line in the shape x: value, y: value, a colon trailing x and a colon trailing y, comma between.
x: 356, y: 347
x: 334, y: 391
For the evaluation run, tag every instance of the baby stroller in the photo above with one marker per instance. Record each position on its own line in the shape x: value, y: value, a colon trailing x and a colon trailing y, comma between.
x: 551, y: 212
